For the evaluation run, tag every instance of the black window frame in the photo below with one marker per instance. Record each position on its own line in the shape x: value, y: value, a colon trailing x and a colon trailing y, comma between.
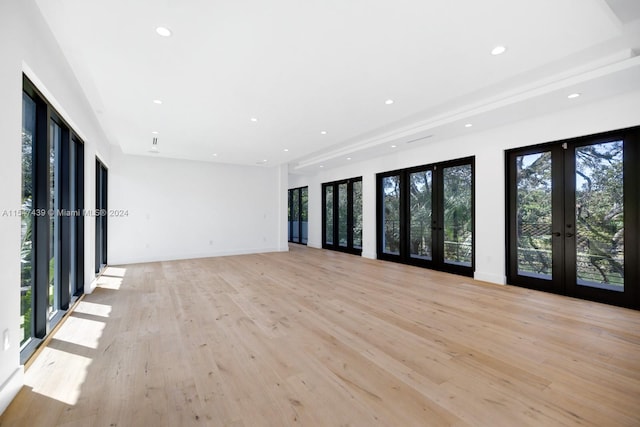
x: 101, y: 227
x: 70, y: 235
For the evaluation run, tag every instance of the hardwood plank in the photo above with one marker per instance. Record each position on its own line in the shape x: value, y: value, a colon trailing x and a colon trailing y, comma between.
x: 320, y: 338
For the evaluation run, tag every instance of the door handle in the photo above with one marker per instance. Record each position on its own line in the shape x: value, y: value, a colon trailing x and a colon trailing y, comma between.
x: 569, y: 235
x: 557, y: 234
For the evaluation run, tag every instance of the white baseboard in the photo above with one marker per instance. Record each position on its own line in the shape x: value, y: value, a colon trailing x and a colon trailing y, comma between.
x: 143, y: 258
x: 11, y: 387
x: 491, y: 278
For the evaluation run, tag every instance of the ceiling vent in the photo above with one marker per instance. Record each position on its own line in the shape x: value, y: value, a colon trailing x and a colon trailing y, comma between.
x: 154, y: 146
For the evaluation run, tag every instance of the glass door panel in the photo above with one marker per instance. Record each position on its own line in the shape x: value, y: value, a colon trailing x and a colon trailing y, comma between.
x: 289, y: 216
x: 304, y: 222
x: 295, y: 209
x: 357, y: 214
x: 329, y: 215
x: 26, y: 249
x: 420, y: 211
x: 391, y: 214
x: 54, y: 222
x: 533, y: 215
x: 458, y: 215
x: 599, y: 216
x: 343, y: 217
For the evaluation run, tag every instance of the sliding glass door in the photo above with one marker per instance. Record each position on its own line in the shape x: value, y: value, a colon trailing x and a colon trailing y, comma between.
x: 342, y: 215
x: 426, y: 216
x: 573, y: 217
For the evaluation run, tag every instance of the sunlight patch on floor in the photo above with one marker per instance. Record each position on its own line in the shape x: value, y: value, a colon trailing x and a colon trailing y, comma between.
x: 64, y: 385
x: 92, y: 308
x: 115, y: 271
x: 79, y: 331
x: 109, y: 282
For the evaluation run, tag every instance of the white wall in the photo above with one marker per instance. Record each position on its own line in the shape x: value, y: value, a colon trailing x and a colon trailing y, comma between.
x: 488, y: 148
x: 27, y: 45
x: 179, y: 209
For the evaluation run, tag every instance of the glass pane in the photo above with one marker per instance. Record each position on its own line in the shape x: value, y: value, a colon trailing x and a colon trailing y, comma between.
x: 304, y: 195
x: 296, y: 215
x: 600, y: 216
x: 73, y: 220
x: 289, y: 215
x: 357, y: 214
x: 342, y: 215
x: 54, y: 241
x: 329, y: 214
x: 420, y: 210
x: 533, y: 215
x: 99, y: 223
x: 458, y: 215
x: 391, y: 214
x: 26, y: 249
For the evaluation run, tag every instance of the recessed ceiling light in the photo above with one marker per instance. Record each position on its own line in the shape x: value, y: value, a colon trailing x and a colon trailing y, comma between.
x: 323, y: 132
x: 393, y: 146
x: 573, y: 95
x: 155, y: 132
x: 286, y: 149
x: 215, y: 154
x: 157, y: 101
x: 163, y: 31
x: 321, y: 166
x: 348, y: 158
x: 253, y: 119
x: 389, y: 101
x: 498, y: 50
x: 468, y: 125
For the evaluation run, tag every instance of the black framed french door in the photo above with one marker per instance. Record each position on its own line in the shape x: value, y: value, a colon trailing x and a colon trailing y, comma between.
x: 572, y: 217
x: 298, y: 214
x: 342, y: 215
x: 426, y: 216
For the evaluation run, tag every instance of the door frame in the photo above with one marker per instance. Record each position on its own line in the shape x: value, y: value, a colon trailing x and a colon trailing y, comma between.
x: 335, y: 186
x: 437, y: 206
x: 563, y: 219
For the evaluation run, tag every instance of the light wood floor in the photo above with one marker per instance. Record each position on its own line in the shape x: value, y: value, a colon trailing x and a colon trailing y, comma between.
x: 318, y: 338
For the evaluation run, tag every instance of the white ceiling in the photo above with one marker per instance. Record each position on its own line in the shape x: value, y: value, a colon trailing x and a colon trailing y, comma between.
x: 302, y: 67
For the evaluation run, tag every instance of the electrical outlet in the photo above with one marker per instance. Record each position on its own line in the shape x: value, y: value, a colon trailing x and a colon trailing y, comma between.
x: 6, y: 343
